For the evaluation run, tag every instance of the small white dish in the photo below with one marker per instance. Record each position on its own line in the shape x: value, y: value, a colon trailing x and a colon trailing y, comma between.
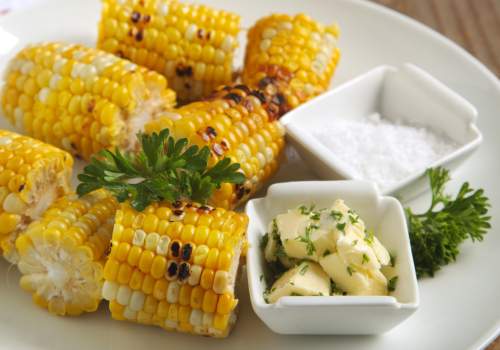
x: 333, y: 314
x: 407, y: 94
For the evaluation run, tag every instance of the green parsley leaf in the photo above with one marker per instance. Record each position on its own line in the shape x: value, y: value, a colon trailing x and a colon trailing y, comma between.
x: 310, y: 248
x: 306, y: 210
x: 369, y: 237
x: 264, y: 240
x: 350, y: 270
x: 393, y: 259
x: 437, y: 233
x: 366, y: 259
x: 391, y: 285
x: 295, y: 294
x: 164, y: 169
x: 336, y: 215
x: 327, y: 252
x: 303, y: 269
x: 341, y: 226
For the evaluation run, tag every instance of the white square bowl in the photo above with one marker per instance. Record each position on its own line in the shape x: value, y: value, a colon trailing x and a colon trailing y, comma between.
x: 333, y: 314
x: 406, y: 94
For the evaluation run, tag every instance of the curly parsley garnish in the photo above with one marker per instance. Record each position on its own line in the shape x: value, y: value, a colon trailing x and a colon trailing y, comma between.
x: 437, y: 233
x: 163, y: 169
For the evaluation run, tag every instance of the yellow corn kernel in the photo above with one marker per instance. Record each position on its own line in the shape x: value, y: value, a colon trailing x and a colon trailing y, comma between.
x: 207, y: 278
x: 136, y: 280
x: 160, y: 289
x: 209, y: 301
x: 74, y: 96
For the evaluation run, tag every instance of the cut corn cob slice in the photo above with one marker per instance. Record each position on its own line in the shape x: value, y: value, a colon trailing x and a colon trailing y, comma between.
x: 294, y: 53
x: 192, y: 45
x: 238, y: 123
x: 81, y: 99
x: 32, y: 175
x: 62, y: 254
x: 175, y: 266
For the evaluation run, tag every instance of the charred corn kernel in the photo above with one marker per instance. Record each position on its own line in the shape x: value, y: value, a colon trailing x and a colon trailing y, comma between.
x: 28, y: 184
x: 84, y: 99
x: 185, y: 42
x: 207, y: 123
x: 171, y: 281
x: 43, y: 249
x: 293, y: 54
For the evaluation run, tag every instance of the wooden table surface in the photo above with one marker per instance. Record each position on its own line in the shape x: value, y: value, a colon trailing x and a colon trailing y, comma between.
x: 473, y: 24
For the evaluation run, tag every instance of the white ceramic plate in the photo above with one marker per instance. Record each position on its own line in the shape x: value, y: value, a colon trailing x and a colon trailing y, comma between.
x: 458, y: 308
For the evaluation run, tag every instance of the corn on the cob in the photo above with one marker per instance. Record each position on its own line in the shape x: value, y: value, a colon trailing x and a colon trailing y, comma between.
x: 32, y: 175
x: 62, y: 254
x: 295, y: 53
x: 192, y: 45
x: 81, y: 99
x: 175, y: 266
x: 238, y: 123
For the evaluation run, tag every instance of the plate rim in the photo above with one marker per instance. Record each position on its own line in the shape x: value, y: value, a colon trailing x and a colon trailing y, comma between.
x: 488, y: 336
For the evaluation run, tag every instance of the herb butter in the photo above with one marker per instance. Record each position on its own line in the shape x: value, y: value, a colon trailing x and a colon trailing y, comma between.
x: 335, y: 248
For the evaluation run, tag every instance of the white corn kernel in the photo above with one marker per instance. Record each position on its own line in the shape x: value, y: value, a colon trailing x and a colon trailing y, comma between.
x: 246, y: 150
x: 137, y: 300
x: 208, y: 319
x: 173, y: 292
x: 43, y: 95
x: 269, y: 154
x: 14, y: 204
x: 109, y: 290
x: 196, y: 317
x: 221, y: 282
x: 163, y: 244
x: 123, y: 295
x: 27, y: 67
x: 129, y: 314
x: 54, y: 80
x: 139, y: 237
x: 5, y: 140
x: 227, y: 43
x: 194, y: 277
x: 262, y: 159
x: 265, y: 45
x: 269, y: 33
x: 285, y: 26
x: 170, y: 324
x: 151, y: 242
x: 191, y: 32
x: 162, y: 8
x: 59, y: 63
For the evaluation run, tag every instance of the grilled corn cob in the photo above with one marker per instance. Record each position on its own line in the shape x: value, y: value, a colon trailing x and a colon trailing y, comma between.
x: 32, y: 176
x: 192, y: 45
x: 62, y: 254
x: 238, y: 123
x: 294, y: 53
x: 81, y: 99
x: 175, y: 266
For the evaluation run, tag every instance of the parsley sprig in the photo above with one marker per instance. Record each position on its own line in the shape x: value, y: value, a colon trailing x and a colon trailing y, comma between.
x: 163, y: 169
x: 437, y: 233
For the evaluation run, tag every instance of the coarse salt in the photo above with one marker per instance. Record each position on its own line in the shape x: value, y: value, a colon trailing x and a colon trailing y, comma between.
x: 380, y: 150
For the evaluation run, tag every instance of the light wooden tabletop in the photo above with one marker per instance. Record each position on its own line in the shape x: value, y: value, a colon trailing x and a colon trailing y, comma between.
x: 473, y: 24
